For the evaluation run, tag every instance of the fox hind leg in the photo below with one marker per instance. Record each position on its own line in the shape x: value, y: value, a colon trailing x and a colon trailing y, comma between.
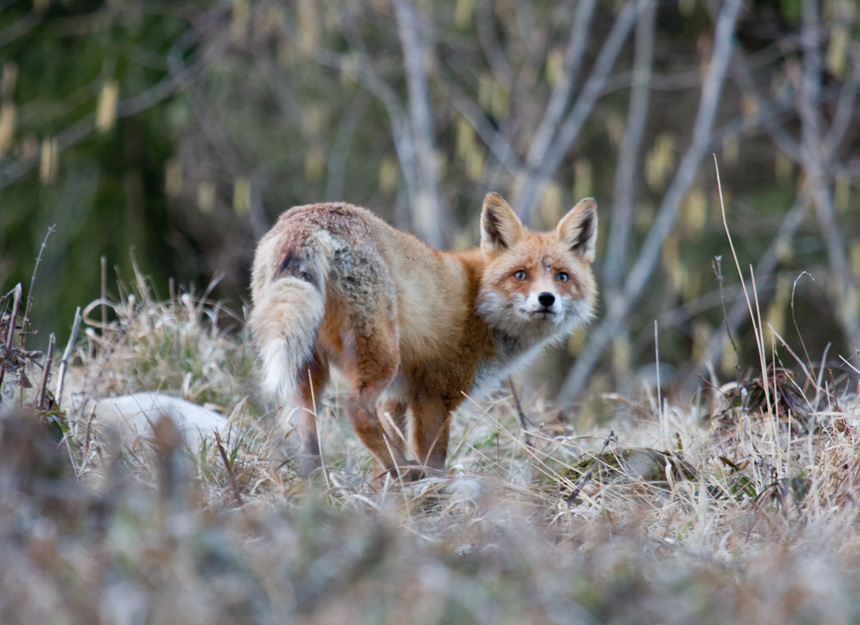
x: 372, y: 362
x: 311, y: 381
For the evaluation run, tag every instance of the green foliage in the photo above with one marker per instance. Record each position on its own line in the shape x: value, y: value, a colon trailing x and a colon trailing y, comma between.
x: 108, y: 194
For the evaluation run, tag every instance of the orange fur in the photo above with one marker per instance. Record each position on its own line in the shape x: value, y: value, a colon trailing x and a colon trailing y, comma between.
x: 413, y: 328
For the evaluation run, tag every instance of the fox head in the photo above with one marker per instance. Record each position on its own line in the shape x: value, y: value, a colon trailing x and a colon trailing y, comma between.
x: 537, y: 285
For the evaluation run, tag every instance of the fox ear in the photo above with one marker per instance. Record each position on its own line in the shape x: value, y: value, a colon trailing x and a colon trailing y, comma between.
x: 578, y: 229
x: 500, y: 226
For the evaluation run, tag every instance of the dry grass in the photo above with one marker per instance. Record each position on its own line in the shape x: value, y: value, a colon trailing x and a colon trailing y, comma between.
x: 720, y: 512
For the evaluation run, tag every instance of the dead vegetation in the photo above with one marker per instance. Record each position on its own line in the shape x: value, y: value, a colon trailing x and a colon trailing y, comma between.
x: 740, y: 508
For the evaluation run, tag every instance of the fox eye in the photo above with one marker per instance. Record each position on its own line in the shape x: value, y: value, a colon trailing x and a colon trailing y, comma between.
x: 521, y: 275
x: 562, y: 277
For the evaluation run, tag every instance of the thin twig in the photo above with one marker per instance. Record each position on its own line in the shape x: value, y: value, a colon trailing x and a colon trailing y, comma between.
x: 718, y: 270
x: 755, y: 317
x: 88, y: 384
x: 10, y: 332
x: 524, y: 420
x: 794, y: 319
x: 40, y: 405
x: 758, y: 329
x: 67, y: 354
x: 660, y: 414
x: 807, y: 372
x: 766, y: 267
x: 236, y: 494
x: 587, y: 475
x: 26, y: 321
x: 87, y: 438
x: 104, y: 293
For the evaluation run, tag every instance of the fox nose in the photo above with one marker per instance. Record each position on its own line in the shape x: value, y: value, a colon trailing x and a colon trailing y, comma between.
x: 546, y: 299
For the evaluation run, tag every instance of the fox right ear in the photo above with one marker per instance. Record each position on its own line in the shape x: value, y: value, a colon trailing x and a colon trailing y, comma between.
x: 500, y: 226
x: 578, y: 229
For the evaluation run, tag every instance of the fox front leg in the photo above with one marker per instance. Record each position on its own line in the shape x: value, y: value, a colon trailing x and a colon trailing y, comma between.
x: 430, y: 430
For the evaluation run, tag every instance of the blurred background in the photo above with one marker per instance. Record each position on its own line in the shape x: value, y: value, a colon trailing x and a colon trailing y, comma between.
x: 172, y: 135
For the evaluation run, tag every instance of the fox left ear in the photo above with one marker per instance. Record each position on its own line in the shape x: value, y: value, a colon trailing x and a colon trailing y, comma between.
x: 578, y: 229
x: 500, y: 226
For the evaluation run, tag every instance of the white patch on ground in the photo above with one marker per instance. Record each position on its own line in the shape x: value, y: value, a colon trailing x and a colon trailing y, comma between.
x: 132, y: 417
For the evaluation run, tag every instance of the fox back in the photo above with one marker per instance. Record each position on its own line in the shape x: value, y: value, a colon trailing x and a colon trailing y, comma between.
x: 414, y: 329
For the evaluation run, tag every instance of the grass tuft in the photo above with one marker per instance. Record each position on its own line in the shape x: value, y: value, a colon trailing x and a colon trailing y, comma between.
x: 740, y: 509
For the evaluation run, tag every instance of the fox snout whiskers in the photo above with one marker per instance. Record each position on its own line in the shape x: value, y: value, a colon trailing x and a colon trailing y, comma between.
x: 544, y: 305
x: 546, y: 299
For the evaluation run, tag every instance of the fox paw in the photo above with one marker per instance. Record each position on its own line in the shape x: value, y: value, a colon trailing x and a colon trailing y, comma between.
x: 308, y: 463
x: 407, y: 471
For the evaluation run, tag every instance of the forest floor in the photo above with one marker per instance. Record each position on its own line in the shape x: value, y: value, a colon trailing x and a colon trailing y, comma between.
x: 738, y: 507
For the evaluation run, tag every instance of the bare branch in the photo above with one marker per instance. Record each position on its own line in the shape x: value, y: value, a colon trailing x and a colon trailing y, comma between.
x: 19, y: 28
x: 489, y: 41
x: 498, y: 144
x: 562, y: 92
x: 814, y: 157
x: 539, y: 172
x: 287, y: 104
x: 429, y: 210
x: 337, y: 160
x: 641, y: 271
x: 360, y: 65
x: 628, y: 155
x: 846, y: 109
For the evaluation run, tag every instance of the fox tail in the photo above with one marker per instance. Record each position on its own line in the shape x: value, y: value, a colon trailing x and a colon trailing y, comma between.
x: 289, y: 304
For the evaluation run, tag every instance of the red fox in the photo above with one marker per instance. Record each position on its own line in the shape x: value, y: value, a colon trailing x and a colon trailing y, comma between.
x: 411, y: 327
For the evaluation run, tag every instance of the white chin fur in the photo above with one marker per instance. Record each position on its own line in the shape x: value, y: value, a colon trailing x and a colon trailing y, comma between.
x: 517, y: 318
x: 539, y: 313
